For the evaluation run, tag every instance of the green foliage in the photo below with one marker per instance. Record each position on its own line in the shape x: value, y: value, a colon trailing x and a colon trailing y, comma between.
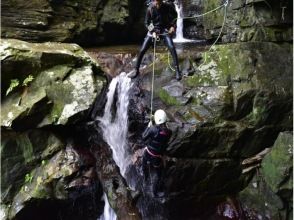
x: 13, y: 83
x: 167, y: 99
x: 28, y: 178
x: 27, y: 80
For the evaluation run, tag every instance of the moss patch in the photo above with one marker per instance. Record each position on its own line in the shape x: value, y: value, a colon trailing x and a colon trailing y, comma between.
x: 167, y: 99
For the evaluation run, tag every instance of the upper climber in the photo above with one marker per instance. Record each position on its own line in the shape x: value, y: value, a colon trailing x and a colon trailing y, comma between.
x: 160, y: 21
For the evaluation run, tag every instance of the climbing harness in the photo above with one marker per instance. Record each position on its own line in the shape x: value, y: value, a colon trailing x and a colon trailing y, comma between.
x: 152, y: 154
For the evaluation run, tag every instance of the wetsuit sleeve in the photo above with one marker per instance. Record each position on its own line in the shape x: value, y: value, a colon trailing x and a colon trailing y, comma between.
x: 147, y: 18
x: 148, y: 133
x: 173, y: 16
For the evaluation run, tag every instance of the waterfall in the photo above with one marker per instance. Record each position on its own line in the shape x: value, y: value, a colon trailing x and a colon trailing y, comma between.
x: 108, y: 213
x: 179, y: 34
x: 115, y: 126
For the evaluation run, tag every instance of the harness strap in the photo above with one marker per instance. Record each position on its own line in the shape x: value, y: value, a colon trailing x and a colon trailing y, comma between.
x: 152, y: 154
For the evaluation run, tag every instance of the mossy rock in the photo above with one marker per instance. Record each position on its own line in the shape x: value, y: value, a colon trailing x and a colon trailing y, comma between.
x: 65, y: 83
x: 277, y: 166
x: 20, y: 152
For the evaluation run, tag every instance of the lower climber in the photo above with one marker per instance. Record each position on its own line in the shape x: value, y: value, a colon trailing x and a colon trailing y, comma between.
x: 156, y: 138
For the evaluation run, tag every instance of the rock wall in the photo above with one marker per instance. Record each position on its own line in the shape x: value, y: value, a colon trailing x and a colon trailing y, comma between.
x: 46, y: 89
x: 232, y: 105
x: 271, y: 191
x: 245, y: 21
x: 111, y: 21
x: 85, y: 22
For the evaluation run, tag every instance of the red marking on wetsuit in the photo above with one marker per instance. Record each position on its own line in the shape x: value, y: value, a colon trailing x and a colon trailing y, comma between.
x: 152, y: 154
x: 163, y: 133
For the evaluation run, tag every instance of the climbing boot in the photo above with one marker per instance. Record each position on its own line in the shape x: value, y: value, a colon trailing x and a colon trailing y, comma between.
x: 178, y: 75
x: 133, y: 74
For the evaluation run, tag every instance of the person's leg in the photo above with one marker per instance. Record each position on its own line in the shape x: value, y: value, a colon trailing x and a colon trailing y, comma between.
x: 169, y: 43
x: 145, y: 165
x: 157, y: 169
x: 145, y: 46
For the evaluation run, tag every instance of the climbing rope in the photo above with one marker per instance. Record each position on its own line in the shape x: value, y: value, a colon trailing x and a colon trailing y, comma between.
x: 154, y: 48
x: 152, y: 83
x: 219, y: 35
x: 201, y: 15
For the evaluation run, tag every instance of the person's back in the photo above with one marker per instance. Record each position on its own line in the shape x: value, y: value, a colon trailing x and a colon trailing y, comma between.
x: 157, y: 138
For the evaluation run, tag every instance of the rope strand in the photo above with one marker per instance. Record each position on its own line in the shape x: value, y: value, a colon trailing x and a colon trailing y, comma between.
x: 154, y: 49
x: 219, y: 35
x: 221, y: 30
x: 152, y: 84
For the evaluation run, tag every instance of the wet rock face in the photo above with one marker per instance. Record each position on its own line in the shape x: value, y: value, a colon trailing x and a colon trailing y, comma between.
x: 46, y: 162
x: 85, y: 22
x: 270, y: 193
x: 246, y: 20
x: 234, y: 105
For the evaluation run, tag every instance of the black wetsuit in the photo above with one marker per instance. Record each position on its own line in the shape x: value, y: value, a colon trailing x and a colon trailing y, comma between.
x: 156, y: 138
x: 162, y: 19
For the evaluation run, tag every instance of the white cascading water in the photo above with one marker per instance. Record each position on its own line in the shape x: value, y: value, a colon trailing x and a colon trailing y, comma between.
x: 179, y: 33
x: 115, y: 129
x: 108, y: 213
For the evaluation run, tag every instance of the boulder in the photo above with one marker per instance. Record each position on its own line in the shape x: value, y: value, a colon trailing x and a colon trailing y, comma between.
x: 45, y: 163
x: 270, y: 192
x: 277, y: 167
x: 65, y: 82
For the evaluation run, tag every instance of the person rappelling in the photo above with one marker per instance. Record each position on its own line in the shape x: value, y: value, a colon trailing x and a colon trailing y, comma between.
x: 160, y: 20
x: 156, y: 138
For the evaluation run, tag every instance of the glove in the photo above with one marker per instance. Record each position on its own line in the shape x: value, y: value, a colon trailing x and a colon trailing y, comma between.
x: 150, y: 27
x: 150, y: 124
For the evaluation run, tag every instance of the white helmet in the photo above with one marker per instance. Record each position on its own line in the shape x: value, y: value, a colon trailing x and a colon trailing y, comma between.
x: 160, y: 117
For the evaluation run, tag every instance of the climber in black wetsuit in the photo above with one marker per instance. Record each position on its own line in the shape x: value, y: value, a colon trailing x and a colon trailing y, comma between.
x: 160, y: 21
x: 156, y: 138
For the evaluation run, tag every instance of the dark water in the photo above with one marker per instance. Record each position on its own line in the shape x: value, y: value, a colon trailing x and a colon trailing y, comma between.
x: 185, y: 48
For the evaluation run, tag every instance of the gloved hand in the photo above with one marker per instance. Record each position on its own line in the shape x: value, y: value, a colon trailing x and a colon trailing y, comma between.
x: 154, y: 35
x: 150, y: 27
x: 150, y: 123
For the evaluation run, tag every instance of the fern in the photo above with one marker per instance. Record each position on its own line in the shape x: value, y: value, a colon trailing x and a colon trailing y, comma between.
x: 27, y: 80
x: 13, y: 83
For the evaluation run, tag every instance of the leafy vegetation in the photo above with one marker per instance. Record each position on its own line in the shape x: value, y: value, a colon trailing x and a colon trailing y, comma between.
x: 15, y: 83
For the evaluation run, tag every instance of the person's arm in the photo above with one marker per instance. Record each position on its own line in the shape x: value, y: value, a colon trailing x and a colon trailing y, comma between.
x: 148, y: 133
x: 148, y: 18
x: 173, y: 19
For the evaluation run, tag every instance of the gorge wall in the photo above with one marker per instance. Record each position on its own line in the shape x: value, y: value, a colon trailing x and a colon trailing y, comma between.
x: 231, y: 115
x: 84, y: 22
